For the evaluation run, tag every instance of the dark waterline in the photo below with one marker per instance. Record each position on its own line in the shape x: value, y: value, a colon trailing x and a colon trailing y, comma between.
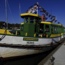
x: 25, y: 60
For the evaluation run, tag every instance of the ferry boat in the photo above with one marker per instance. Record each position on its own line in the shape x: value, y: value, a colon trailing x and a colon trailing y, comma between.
x: 34, y: 33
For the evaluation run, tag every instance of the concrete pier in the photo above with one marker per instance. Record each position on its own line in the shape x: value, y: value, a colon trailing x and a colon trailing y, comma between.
x: 59, y: 57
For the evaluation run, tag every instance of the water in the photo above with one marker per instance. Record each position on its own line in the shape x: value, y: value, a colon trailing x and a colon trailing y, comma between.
x: 24, y: 60
x: 34, y: 59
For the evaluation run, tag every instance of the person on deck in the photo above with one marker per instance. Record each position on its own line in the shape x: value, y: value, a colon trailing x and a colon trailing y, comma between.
x: 43, y: 18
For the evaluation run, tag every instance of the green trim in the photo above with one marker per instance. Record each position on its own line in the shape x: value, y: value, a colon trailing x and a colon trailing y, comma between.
x: 29, y: 14
x: 28, y: 19
x: 30, y: 39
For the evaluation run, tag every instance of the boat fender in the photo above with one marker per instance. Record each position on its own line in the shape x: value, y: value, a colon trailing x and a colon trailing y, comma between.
x: 26, y: 34
x: 35, y: 35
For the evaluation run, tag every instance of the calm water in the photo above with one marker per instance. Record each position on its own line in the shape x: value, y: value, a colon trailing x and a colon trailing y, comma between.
x: 25, y: 60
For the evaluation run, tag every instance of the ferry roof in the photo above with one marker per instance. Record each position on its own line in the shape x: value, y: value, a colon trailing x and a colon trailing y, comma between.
x: 57, y: 24
x: 29, y: 14
x: 44, y: 22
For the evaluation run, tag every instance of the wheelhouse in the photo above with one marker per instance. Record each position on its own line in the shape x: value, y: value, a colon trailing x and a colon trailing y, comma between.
x: 28, y: 28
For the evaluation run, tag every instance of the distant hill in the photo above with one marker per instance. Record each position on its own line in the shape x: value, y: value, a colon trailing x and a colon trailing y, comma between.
x: 10, y: 26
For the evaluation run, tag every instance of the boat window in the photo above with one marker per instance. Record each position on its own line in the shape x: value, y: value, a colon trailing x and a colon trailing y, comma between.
x: 41, y: 28
x: 31, y: 19
x: 38, y: 20
x: 26, y: 19
x: 55, y: 29
x: 47, y: 28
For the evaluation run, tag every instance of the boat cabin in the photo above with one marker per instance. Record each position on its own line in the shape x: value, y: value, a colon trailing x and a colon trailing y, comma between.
x: 30, y: 18
x: 29, y: 26
x: 33, y: 26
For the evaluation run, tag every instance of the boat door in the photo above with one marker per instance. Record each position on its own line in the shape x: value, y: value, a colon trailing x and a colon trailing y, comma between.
x: 39, y: 29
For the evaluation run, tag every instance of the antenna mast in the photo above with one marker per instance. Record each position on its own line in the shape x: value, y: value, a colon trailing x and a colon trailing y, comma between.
x: 19, y: 8
x: 6, y: 14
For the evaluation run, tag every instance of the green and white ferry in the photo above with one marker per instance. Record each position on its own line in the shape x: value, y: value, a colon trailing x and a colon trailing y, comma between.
x: 33, y: 34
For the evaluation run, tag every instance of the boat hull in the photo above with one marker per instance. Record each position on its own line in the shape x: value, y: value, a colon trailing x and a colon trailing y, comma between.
x: 19, y: 40
x: 10, y: 51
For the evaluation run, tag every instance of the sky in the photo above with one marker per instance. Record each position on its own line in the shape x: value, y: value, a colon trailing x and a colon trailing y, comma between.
x: 54, y: 7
